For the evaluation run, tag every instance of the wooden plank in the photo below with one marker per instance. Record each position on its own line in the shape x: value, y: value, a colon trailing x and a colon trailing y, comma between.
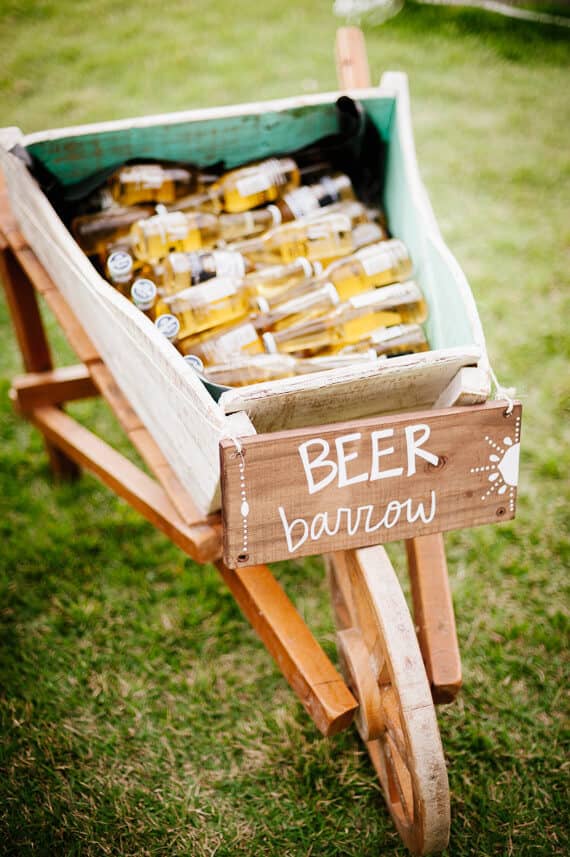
x: 471, y: 386
x: 234, y: 134
x: 54, y: 387
x: 37, y: 275
x: 409, y: 382
x: 201, y: 540
x: 453, y: 318
x: 369, y: 481
x: 145, y: 444
x: 161, y: 389
x: 434, y: 617
x: 109, y: 389
x: 351, y: 60
x: 302, y: 661
x: 99, y: 372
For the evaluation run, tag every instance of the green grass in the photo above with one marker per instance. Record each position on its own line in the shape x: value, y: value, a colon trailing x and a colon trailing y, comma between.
x: 139, y: 713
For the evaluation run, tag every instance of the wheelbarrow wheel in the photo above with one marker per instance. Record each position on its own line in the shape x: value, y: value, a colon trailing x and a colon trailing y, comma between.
x: 383, y: 666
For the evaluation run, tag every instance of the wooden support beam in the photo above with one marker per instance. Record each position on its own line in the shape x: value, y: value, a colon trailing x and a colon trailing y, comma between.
x: 201, y: 541
x: 25, y: 313
x: 55, y: 387
x: 434, y: 617
x: 31, y: 338
x: 302, y: 661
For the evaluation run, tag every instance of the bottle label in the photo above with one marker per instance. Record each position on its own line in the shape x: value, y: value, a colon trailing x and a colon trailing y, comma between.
x: 146, y: 176
x: 198, y: 272
x: 210, y: 292
x: 331, y: 193
x: 223, y: 346
x: 266, y: 175
x: 301, y: 201
x: 374, y: 259
x: 175, y: 225
x: 229, y: 263
x: 389, y: 296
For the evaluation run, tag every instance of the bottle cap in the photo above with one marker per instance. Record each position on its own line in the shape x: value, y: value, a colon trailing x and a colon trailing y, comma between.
x: 307, y: 267
x: 168, y: 325
x: 120, y: 266
x: 143, y: 293
x: 194, y: 361
x: 262, y: 304
x: 269, y: 343
x: 332, y: 293
x: 275, y: 214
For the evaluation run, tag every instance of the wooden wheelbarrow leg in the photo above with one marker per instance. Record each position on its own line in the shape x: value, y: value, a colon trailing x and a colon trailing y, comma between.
x: 433, y: 615
x: 302, y: 661
x: 32, y: 340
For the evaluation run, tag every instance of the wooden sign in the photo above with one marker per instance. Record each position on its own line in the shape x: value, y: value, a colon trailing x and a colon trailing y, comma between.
x: 364, y: 482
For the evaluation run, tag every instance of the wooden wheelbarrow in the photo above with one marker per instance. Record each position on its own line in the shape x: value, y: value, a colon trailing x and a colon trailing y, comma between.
x: 421, y: 450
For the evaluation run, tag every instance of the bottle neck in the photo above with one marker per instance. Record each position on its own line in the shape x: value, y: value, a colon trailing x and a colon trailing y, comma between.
x: 249, y: 245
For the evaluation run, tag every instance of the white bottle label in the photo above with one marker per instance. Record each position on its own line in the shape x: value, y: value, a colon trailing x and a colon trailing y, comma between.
x: 229, y: 263
x: 301, y: 201
x: 388, y: 296
x: 144, y: 175
x: 176, y: 225
x: 227, y: 344
x: 209, y: 292
x: 374, y: 259
x: 261, y: 178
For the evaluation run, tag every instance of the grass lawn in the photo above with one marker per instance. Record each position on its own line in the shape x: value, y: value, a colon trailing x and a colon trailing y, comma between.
x: 139, y: 713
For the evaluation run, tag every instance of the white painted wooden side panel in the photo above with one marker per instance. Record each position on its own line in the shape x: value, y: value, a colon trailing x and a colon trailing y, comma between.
x: 164, y: 392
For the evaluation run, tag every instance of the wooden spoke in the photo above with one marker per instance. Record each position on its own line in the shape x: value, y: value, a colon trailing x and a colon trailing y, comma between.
x: 396, y: 716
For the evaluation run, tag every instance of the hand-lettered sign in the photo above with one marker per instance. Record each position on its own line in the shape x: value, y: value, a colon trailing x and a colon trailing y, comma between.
x: 364, y: 482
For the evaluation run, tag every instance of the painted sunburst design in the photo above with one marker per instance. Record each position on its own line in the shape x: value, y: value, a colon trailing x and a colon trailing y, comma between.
x: 503, y: 467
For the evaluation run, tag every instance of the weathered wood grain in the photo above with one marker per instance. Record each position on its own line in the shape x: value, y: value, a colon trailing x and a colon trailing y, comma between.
x: 409, y: 382
x: 368, y: 481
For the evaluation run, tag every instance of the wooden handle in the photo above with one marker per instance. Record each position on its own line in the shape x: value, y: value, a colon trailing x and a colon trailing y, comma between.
x: 351, y: 59
x: 302, y: 661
